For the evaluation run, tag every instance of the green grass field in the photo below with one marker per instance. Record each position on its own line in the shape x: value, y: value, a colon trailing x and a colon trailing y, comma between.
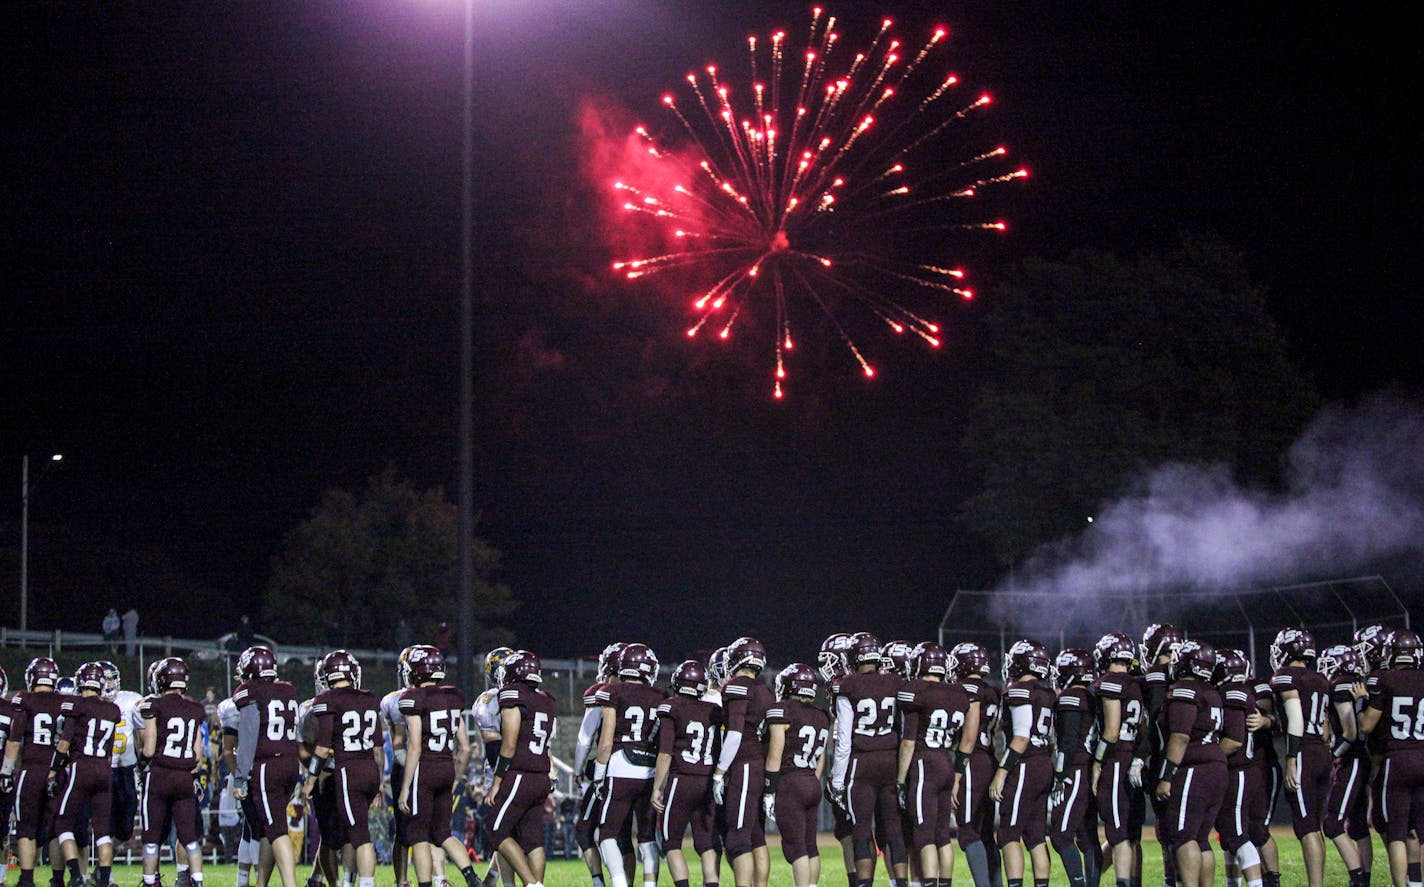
x: 571, y: 873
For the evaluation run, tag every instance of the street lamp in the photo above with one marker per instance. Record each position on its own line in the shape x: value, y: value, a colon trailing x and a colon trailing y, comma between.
x: 25, y: 534
x: 465, y: 625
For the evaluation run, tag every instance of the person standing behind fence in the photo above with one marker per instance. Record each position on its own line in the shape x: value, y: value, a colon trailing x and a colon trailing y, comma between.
x: 111, y: 630
x: 171, y: 754
x: 130, y: 624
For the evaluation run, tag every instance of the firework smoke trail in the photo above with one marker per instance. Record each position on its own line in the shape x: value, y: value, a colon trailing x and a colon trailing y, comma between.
x: 815, y: 187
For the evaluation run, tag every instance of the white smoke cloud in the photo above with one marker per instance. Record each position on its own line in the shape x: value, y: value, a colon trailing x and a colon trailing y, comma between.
x: 1355, y: 497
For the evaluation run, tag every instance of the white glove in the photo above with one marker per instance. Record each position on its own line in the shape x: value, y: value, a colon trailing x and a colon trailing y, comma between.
x: 719, y: 788
x: 768, y: 806
x: 1134, y: 772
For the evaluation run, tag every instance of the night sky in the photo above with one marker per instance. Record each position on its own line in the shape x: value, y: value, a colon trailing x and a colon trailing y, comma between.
x: 233, y: 243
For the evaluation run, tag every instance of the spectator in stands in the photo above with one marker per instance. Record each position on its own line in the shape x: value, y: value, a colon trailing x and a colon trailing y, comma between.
x: 245, y: 636
x: 111, y: 630
x: 130, y: 624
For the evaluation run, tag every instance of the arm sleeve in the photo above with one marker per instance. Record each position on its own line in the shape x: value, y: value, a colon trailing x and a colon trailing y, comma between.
x: 1021, y: 716
x: 732, y: 739
x: 587, y: 736
x: 1070, y: 722
x: 249, y: 720
x: 1295, y: 716
x: 845, y: 720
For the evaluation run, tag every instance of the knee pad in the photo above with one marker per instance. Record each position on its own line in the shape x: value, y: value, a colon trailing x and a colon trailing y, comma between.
x: 150, y: 851
x: 65, y: 836
x: 862, y: 848
x: 648, y: 856
x: 1247, y: 855
x: 194, y: 848
x: 100, y: 842
x: 895, y: 848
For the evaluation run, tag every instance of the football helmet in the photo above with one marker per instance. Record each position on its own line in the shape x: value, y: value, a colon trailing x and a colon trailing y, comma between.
x: 797, y: 679
x: 833, y: 661
x: 170, y: 674
x: 1159, y: 639
x: 340, y: 665
x: 864, y: 649
x: 928, y: 658
x: 523, y: 665
x: 426, y: 664
x: 717, y: 667
x: 494, y: 665
x: 1371, y: 642
x: 255, y: 663
x: 745, y: 652
x: 1232, y: 666
x: 1072, y: 666
x: 1026, y: 656
x: 111, y: 679
x: 89, y: 676
x: 690, y: 679
x: 41, y: 672
x: 608, y: 662
x: 64, y: 686
x: 319, y: 678
x: 1341, y: 659
x: 1194, y: 659
x: 1115, y: 646
x: 1404, y: 649
x: 895, y: 657
x: 1292, y: 644
x: 402, y: 668
x: 968, y: 658
x: 638, y: 662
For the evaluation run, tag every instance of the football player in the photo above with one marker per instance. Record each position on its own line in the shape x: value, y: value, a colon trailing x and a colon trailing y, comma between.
x: 1303, y: 695
x: 1192, y: 782
x: 969, y: 664
x: 689, y: 729
x: 348, y: 734
x: 332, y: 851
x: 1242, y: 857
x: 939, y: 728
x: 1263, y: 724
x: 437, y: 751
x: 268, y: 764
x: 81, y: 764
x: 739, y: 780
x: 1025, y: 774
x: 171, y: 751
x: 797, y: 732
x: 248, y: 850
x: 1121, y: 733
x: 528, y: 717
x: 7, y: 794
x: 1155, y: 654
x: 29, y: 751
x: 863, y: 770
x: 586, y: 826
x: 1073, y: 825
x: 125, y: 785
x: 394, y: 724
x: 627, y: 756
x: 1396, y: 709
x: 1347, y: 803
x: 833, y: 664
x: 487, y: 721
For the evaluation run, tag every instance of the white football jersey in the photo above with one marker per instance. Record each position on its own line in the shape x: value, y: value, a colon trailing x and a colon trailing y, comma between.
x: 227, y: 714
x: 486, y: 711
x: 126, y: 736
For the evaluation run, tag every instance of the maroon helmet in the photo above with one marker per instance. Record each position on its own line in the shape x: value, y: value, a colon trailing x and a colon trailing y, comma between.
x: 1026, y: 656
x: 690, y: 678
x: 929, y: 658
x: 524, y: 666
x: 864, y: 649
x: 608, y: 661
x: 745, y: 652
x: 41, y: 672
x: 1371, y: 642
x: 170, y: 674
x: 1232, y: 666
x: 895, y: 657
x: 1072, y: 666
x: 257, y: 663
x: 833, y: 660
x: 1159, y: 639
x: 797, y: 679
x: 89, y: 676
x: 968, y: 658
x: 1341, y: 659
x: 1292, y: 644
x: 1194, y: 659
x: 1404, y: 649
x: 638, y: 662
x: 1115, y: 646
x: 425, y: 664
x: 339, y: 665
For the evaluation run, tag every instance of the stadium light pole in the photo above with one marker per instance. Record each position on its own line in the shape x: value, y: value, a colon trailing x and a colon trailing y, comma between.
x: 25, y: 487
x: 465, y: 629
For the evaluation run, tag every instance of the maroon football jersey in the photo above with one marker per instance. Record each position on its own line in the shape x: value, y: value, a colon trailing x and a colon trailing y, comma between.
x: 988, y: 696
x: 348, y: 721
x: 1237, y: 702
x: 590, y: 696
x: 872, y: 699
x: 689, y: 731
x: 932, y: 714
x: 1132, y: 710
x: 1314, y: 693
x: 745, y: 701
x: 7, y: 719
x: 1077, y: 749
x: 176, y: 720
x: 35, y: 725
x: 1194, y: 708
x: 538, y: 714
x: 635, y: 714
x: 808, y: 729
x: 278, y: 715
x: 1029, y: 705
x: 89, y: 726
x: 1342, y: 692
x: 1401, y: 701
x: 440, y: 709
